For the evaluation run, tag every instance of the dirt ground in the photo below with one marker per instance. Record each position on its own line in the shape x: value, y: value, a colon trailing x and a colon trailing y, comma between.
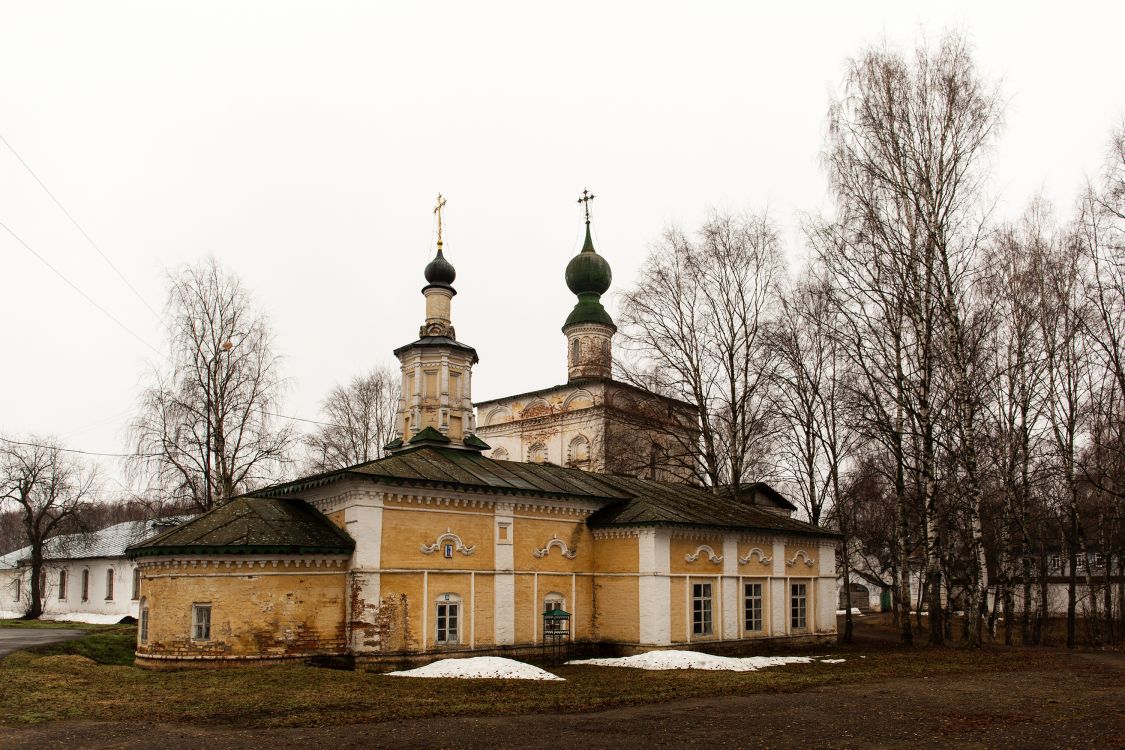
x: 1079, y: 702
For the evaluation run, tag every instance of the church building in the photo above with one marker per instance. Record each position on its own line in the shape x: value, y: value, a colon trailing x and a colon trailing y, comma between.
x: 561, y: 515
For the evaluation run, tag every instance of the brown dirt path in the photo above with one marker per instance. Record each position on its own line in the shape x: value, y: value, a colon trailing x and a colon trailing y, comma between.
x: 1080, y: 706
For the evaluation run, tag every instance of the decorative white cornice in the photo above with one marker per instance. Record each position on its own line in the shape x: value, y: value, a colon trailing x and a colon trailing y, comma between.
x: 568, y: 553
x: 809, y: 562
x: 240, y: 563
x: 616, y: 533
x: 448, y: 536
x: 711, y: 556
x: 761, y: 557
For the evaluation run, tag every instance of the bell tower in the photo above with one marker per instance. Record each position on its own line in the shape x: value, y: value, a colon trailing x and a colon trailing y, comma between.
x: 589, y: 328
x: 436, y: 406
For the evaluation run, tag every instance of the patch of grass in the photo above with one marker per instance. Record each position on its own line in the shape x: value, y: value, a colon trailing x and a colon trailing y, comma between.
x: 113, y: 645
x: 52, y: 624
x: 39, y: 688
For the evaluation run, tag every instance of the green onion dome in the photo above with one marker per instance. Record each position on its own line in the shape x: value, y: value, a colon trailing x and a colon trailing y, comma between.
x: 588, y: 272
x: 440, y: 271
x: 588, y: 275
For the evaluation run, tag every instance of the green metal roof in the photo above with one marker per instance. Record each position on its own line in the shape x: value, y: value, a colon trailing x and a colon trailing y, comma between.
x: 625, y: 501
x: 252, y: 526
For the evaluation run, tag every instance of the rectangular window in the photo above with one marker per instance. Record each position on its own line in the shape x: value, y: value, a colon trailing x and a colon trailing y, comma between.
x: 19, y: 587
x: 85, y: 585
x: 799, y: 606
x: 109, y: 585
x: 201, y: 622
x: 753, y: 609
x: 447, y: 622
x: 136, y: 584
x: 62, y: 585
x: 144, y: 625
x: 701, y: 609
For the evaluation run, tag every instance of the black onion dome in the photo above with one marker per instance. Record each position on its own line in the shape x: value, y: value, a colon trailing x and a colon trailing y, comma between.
x: 440, y: 271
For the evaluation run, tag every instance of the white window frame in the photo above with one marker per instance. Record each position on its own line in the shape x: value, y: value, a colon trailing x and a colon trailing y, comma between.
x: 798, y: 606
x: 448, y: 616
x: 201, y: 622
x: 749, y: 624
x: 702, y: 609
x: 109, y: 584
x: 136, y: 584
x: 63, y: 584
x: 85, y: 584
x: 553, y: 600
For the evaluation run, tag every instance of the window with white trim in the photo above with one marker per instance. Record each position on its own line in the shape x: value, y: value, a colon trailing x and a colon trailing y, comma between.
x: 201, y: 622
x: 448, y: 620
x: 109, y: 585
x: 62, y: 585
x: 85, y: 584
x: 18, y: 585
x: 799, y: 606
x: 752, y: 607
x: 136, y: 584
x: 701, y: 609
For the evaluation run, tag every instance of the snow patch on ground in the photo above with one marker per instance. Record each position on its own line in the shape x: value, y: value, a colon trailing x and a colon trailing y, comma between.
x: 697, y: 660
x: 477, y: 668
x: 832, y: 661
x: 855, y: 611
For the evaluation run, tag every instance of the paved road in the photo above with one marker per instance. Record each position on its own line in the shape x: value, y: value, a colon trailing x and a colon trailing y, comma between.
x: 13, y: 639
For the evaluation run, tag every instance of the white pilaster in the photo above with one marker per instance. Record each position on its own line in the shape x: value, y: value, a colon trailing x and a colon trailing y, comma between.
x: 654, y: 591
x: 730, y: 588
x: 504, y: 587
x: 826, y: 596
x: 363, y: 520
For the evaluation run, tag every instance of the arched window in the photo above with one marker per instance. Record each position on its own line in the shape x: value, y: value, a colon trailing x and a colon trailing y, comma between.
x: 448, y: 620
x: 551, y: 602
x: 136, y: 584
x: 575, y: 350
x: 500, y: 454
x: 578, y: 452
x: 605, y: 351
x: 142, y: 624
x: 62, y: 585
x: 537, y: 453
x: 85, y: 584
x: 109, y: 585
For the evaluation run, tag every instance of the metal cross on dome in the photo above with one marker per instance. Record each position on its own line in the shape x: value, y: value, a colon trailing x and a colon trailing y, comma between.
x: 587, y: 196
x: 437, y: 210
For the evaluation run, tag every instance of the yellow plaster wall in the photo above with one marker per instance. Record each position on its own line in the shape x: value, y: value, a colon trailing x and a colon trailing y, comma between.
x: 406, y: 529
x: 269, y: 612
x: 677, y: 609
x: 616, y: 555
x: 617, y: 601
x: 680, y: 548
x: 401, y: 595
x: 755, y: 566
x: 534, y: 534
x: 799, y: 568
x: 485, y: 610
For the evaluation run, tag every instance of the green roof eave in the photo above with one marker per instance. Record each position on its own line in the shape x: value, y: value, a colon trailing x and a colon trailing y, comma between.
x: 771, y: 530
x: 236, y: 549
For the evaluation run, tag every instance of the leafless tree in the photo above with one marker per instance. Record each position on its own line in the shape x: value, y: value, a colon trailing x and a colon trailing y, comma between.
x: 904, y: 158
x: 47, y: 487
x: 206, y: 428
x: 361, y: 417
x: 695, y: 325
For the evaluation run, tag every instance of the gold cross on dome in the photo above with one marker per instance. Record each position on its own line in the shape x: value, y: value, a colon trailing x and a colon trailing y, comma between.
x: 587, y: 196
x: 437, y: 211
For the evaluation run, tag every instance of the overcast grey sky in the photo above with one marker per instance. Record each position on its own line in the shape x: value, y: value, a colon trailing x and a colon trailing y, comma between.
x: 303, y: 143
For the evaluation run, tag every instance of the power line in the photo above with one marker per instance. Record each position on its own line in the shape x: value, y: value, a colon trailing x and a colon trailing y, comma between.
x: 76, y: 288
x: 75, y: 450
x: 82, y: 231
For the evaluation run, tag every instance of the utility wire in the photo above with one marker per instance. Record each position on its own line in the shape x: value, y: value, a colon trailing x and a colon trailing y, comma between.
x: 82, y: 231
x: 76, y: 288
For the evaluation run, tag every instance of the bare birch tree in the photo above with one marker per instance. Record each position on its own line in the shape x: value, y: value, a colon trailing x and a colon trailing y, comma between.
x: 48, y: 488
x: 206, y: 427
x: 361, y: 417
x: 904, y: 157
